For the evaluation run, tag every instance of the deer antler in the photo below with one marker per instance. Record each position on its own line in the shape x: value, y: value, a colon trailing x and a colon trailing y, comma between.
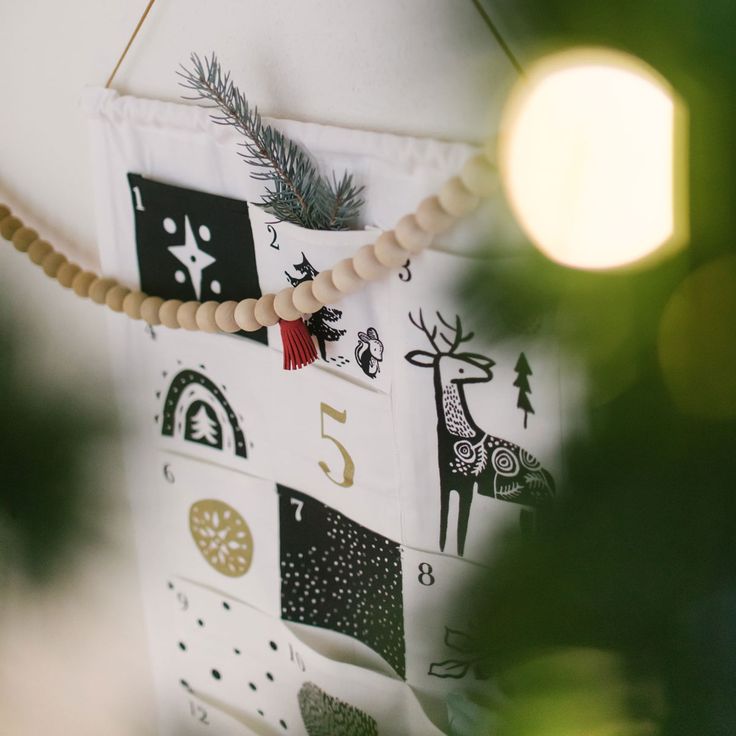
x: 421, y: 325
x: 457, y: 328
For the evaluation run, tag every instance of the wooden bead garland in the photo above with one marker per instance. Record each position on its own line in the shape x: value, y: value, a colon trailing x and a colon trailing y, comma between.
x: 66, y: 273
x: 132, y: 304
x: 412, y: 234
x: 167, y: 313
x: 283, y: 305
x: 23, y: 237
x: 149, y: 310
x: 225, y: 317
x: 82, y: 281
x: 186, y: 315
x: 245, y: 315
x: 52, y: 263
x: 345, y: 278
x: 479, y: 176
x: 366, y: 265
x: 205, y: 316
x: 115, y: 297
x: 324, y: 289
x: 304, y: 299
x: 9, y: 225
x: 98, y: 289
x: 38, y: 250
x: 432, y: 217
x: 456, y: 199
x: 388, y: 251
x: 264, y: 312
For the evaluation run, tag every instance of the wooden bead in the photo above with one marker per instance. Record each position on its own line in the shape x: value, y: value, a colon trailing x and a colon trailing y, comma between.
x: 66, y: 273
x: 82, y: 281
x: 4, y: 211
x: 116, y: 295
x: 456, y: 199
x: 324, y: 289
x: 432, y: 218
x: 304, y: 299
x: 38, y: 250
x: 186, y: 315
x: 283, y: 305
x: 410, y: 236
x: 9, y: 225
x: 366, y: 264
x: 149, y: 310
x: 52, y: 262
x: 132, y: 304
x: 389, y: 252
x: 479, y: 176
x: 23, y: 237
x: 264, y: 312
x: 345, y: 278
x: 205, y: 316
x: 225, y: 317
x: 167, y: 313
x: 98, y: 289
x: 245, y: 315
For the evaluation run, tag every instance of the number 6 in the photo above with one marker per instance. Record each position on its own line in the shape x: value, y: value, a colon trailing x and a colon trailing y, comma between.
x: 349, y: 466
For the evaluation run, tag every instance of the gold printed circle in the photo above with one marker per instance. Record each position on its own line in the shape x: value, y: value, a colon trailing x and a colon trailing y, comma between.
x: 222, y: 536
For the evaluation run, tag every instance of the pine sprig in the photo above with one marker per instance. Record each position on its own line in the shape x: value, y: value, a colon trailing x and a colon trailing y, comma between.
x: 296, y: 191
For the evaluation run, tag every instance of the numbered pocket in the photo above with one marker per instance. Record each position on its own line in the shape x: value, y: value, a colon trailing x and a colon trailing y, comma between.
x: 352, y: 336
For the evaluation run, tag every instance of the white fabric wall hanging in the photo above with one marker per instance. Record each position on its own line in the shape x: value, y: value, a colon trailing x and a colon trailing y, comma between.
x: 304, y: 536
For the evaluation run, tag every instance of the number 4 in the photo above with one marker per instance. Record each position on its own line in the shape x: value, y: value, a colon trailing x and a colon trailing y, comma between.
x: 348, y: 472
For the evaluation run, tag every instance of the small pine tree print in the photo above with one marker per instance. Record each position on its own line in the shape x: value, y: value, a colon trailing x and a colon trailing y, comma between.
x: 202, y: 428
x: 318, y: 324
x: 522, y: 383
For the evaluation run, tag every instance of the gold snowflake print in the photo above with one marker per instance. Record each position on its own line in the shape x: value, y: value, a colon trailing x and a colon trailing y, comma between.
x: 222, y: 536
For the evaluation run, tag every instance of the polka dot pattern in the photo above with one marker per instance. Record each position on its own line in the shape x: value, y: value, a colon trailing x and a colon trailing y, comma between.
x: 338, y: 575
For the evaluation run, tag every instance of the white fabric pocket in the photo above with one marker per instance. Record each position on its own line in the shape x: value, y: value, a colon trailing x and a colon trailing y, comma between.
x: 351, y: 335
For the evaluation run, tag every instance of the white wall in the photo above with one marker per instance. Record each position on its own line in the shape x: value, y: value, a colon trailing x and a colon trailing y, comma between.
x: 425, y: 67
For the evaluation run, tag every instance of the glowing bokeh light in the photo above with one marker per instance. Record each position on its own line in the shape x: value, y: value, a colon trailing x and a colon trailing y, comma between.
x: 591, y: 159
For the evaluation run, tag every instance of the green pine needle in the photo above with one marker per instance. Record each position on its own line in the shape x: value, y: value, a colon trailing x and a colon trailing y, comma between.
x: 296, y: 191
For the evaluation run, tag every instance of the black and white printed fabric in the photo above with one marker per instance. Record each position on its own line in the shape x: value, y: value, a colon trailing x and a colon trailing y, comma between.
x: 306, y: 537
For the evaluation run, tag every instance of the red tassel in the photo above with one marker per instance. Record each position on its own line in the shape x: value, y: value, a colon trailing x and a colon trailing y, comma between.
x: 298, y: 345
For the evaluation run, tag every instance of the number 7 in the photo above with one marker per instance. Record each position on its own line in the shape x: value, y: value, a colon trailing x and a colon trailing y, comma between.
x: 349, y: 466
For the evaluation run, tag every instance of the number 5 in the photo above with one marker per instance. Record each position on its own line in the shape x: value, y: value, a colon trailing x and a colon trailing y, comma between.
x: 349, y: 466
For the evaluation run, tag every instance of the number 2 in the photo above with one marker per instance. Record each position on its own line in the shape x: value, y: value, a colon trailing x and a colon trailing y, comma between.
x: 348, y: 472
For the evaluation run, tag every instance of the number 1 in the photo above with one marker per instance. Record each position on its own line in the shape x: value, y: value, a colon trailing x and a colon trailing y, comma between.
x: 138, y: 199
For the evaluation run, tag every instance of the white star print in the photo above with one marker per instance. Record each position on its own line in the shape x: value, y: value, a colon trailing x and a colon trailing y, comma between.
x: 192, y: 257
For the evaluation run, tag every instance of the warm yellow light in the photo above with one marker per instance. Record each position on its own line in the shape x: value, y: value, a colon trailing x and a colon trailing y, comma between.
x: 590, y: 159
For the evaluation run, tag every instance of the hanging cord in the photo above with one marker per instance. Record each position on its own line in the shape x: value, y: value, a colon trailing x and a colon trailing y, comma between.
x: 497, y: 35
x: 130, y: 42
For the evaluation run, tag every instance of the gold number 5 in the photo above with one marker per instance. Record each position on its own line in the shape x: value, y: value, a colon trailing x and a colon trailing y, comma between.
x: 349, y: 469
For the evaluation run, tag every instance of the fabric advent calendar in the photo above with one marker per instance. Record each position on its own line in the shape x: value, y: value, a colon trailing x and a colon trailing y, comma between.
x: 305, y: 537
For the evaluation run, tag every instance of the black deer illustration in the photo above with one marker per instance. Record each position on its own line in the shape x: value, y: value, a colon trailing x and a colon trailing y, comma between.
x: 470, y: 459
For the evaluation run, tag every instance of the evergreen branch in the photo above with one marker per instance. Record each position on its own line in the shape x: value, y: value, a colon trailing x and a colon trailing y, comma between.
x: 296, y: 192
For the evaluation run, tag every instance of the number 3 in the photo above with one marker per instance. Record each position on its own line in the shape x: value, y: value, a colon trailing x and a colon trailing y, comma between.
x: 348, y: 472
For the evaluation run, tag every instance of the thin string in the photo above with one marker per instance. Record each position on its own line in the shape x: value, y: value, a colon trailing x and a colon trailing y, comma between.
x: 497, y: 35
x: 130, y: 42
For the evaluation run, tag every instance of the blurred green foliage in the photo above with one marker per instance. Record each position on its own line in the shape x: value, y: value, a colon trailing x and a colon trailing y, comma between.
x: 638, y: 560
x: 47, y: 502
